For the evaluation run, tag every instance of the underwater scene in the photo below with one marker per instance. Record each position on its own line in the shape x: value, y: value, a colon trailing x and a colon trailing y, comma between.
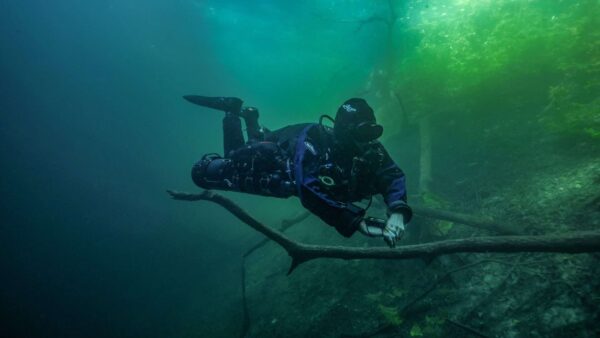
x: 319, y: 168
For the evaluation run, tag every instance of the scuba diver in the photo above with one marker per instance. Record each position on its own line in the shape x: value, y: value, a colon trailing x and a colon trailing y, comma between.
x: 327, y: 168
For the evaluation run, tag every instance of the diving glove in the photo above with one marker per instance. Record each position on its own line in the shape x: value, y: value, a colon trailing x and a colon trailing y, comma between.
x: 394, y: 229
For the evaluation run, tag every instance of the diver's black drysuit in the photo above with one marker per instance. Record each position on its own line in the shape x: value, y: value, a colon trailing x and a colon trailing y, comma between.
x: 306, y: 161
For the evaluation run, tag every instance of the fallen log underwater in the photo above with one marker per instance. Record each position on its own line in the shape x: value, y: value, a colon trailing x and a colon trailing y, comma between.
x: 569, y: 242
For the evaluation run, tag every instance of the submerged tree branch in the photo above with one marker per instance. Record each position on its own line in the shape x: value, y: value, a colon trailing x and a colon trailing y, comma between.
x: 572, y: 242
x: 470, y: 220
x: 285, y: 224
x: 466, y: 328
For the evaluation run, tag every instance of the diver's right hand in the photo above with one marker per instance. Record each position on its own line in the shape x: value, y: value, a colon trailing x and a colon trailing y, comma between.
x: 394, y: 229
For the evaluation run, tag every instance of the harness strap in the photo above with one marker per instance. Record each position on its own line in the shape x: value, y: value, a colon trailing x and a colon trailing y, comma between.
x: 299, y: 157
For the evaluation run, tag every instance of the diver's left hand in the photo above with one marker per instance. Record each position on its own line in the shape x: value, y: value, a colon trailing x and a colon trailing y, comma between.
x: 394, y: 229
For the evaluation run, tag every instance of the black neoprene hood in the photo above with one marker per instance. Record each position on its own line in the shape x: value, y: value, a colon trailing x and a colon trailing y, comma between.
x: 355, y: 120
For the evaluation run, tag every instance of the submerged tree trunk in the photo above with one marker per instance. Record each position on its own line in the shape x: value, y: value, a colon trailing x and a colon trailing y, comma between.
x: 425, y: 155
x: 480, y: 222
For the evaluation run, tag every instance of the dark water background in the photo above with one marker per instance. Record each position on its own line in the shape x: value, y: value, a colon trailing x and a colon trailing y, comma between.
x: 93, y: 130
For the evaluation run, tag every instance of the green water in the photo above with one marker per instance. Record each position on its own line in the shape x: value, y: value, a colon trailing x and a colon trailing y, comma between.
x: 502, y: 95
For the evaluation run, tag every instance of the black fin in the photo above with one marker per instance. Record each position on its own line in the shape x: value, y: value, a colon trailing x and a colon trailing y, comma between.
x: 227, y: 104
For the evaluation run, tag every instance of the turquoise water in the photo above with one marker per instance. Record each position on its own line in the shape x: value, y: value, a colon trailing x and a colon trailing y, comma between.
x: 93, y: 130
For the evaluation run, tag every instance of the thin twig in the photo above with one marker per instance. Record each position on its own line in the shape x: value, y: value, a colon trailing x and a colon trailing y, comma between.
x: 437, y: 282
x: 388, y: 327
x: 482, y: 303
x: 467, y: 328
x: 246, y: 319
x: 286, y: 224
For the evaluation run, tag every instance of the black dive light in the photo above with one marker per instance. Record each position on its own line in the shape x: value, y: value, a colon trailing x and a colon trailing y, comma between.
x: 375, y: 222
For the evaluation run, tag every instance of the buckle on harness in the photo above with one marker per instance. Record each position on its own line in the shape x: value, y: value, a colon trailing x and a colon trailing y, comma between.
x: 327, y: 180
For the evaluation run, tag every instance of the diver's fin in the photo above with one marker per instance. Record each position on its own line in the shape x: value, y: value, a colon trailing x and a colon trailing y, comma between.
x: 227, y: 104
